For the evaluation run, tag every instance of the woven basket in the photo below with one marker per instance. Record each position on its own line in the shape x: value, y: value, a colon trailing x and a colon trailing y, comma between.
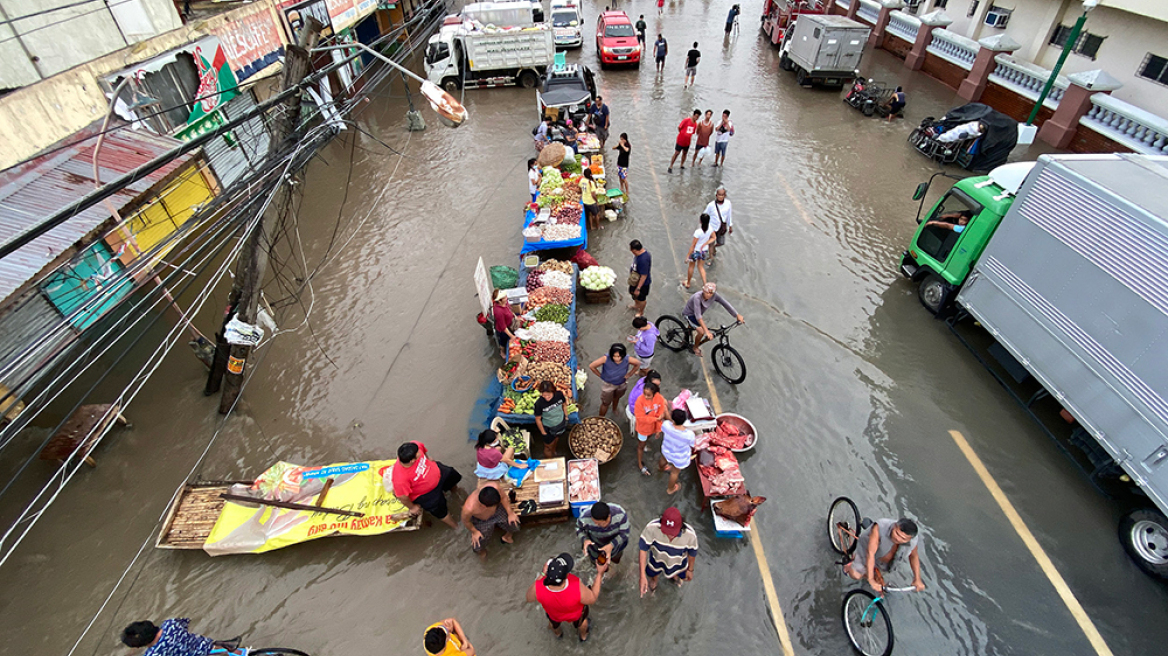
x: 577, y: 449
x: 597, y: 297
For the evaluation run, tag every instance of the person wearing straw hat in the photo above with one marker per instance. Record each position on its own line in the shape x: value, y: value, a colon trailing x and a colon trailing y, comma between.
x: 669, y: 546
x: 563, y: 597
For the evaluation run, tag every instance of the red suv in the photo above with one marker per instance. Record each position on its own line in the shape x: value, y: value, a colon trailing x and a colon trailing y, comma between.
x: 616, y: 40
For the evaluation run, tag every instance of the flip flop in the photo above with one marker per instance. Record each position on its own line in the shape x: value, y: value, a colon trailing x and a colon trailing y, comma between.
x: 645, y: 471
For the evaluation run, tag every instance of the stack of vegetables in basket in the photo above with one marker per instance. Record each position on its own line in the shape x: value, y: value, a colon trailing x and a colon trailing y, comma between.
x: 597, y: 282
x: 546, y: 355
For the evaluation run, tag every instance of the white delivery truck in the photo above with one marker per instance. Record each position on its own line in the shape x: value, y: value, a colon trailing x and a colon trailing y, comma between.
x: 466, y: 54
x: 823, y: 49
x: 567, y: 23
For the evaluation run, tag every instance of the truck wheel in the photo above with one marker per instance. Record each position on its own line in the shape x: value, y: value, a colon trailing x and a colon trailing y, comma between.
x: 785, y: 63
x: 800, y: 76
x: 450, y: 85
x: 528, y: 79
x: 934, y: 293
x: 1144, y: 534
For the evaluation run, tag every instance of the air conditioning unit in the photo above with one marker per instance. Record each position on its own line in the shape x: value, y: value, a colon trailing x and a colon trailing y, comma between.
x: 998, y: 17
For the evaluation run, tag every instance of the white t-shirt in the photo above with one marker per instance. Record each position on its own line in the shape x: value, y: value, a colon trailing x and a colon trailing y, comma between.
x: 532, y: 181
x: 703, y: 238
x: 713, y: 208
x: 723, y: 137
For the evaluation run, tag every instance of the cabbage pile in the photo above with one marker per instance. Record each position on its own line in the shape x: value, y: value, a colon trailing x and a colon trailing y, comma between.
x: 596, y: 278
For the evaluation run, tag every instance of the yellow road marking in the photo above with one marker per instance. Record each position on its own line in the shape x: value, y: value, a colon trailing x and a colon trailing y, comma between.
x: 1044, y: 563
x: 794, y: 199
x: 764, y: 570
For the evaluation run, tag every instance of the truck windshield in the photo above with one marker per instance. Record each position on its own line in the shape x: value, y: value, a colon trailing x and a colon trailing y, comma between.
x: 937, y: 241
x: 564, y: 19
x: 624, y: 29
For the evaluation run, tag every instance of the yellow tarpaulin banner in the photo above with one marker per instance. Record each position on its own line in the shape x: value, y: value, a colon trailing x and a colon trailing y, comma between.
x: 363, y: 487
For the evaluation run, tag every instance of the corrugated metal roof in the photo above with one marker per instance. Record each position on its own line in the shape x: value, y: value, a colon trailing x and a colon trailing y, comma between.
x: 31, y: 192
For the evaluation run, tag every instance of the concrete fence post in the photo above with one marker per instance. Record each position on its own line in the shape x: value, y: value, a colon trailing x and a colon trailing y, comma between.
x: 974, y: 84
x: 1060, y: 128
x: 929, y: 22
x: 876, y: 37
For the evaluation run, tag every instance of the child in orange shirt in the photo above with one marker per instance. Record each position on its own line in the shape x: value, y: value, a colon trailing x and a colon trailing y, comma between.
x: 649, y: 413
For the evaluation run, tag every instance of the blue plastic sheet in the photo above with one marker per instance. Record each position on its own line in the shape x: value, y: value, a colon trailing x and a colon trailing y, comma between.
x: 531, y: 247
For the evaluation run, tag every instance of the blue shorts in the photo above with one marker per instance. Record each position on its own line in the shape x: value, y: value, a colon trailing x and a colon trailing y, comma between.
x: 697, y: 256
x: 693, y: 322
x: 622, y: 172
x: 720, y: 147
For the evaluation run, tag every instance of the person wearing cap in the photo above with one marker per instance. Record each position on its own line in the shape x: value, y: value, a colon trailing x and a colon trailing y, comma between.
x: 605, y: 527
x: 420, y: 483
x: 446, y: 638
x: 504, y: 319
x: 563, y: 597
x: 669, y: 546
x: 695, y: 310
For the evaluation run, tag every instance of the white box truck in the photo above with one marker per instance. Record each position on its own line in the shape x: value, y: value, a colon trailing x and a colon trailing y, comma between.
x: 1069, y: 278
x: 465, y: 54
x: 823, y: 49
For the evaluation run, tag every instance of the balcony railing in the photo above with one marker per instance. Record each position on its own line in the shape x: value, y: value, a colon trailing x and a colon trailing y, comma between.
x: 1127, y: 124
x: 869, y: 10
x: 904, y: 25
x: 1027, y: 79
x: 954, y: 48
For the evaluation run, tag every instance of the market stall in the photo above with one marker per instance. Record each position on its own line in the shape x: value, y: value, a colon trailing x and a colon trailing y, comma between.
x: 543, y: 496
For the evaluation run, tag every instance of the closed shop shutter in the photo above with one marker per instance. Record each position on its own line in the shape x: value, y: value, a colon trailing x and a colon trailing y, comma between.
x: 95, y: 273
x: 242, y: 150
x: 162, y: 215
x: 31, y: 335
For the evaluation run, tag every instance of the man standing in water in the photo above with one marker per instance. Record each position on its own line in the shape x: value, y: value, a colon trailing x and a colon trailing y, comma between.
x: 660, y: 49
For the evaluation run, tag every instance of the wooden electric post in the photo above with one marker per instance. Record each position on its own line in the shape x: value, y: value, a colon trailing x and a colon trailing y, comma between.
x: 253, y: 260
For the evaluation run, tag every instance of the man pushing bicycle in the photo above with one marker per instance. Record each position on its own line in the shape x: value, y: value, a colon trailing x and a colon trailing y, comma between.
x: 881, y: 547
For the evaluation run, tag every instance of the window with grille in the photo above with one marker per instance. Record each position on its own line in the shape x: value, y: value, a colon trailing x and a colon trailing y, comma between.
x: 1086, y: 45
x: 940, y: 4
x: 973, y: 7
x: 1154, y: 68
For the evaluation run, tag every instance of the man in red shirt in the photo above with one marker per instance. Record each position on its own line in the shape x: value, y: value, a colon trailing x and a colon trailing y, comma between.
x: 563, y: 597
x: 685, y: 133
x: 421, y: 483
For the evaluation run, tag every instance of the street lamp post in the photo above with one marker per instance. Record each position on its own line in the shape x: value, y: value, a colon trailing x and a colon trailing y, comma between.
x: 449, y: 110
x: 1088, y: 5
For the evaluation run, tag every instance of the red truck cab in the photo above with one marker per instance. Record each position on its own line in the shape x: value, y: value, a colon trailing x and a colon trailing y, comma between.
x: 616, y: 40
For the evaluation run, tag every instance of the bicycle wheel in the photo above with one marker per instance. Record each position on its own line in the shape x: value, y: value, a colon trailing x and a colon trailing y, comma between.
x: 843, y: 525
x: 728, y: 363
x: 276, y: 651
x: 673, y: 333
x: 867, y: 623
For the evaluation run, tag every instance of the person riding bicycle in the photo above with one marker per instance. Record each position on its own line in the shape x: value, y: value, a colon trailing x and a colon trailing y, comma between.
x: 173, y: 638
x: 881, y: 547
x: 695, y: 309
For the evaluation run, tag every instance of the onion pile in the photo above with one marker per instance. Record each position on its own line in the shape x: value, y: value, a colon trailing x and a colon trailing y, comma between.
x: 556, y: 279
x: 561, y: 232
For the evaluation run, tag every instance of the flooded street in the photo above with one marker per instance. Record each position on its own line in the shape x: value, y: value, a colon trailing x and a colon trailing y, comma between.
x: 853, y: 385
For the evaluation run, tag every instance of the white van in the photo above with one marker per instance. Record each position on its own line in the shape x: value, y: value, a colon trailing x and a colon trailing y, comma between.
x: 567, y: 23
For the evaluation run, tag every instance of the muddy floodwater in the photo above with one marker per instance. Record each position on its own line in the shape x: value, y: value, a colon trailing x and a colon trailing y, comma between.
x: 852, y: 385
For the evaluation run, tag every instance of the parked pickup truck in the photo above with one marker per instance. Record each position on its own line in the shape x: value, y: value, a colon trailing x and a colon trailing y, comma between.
x: 823, y: 49
x: 1064, y: 263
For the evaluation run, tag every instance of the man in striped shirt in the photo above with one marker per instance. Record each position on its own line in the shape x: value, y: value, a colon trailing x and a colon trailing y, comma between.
x: 604, y: 527
x: 669, y: 546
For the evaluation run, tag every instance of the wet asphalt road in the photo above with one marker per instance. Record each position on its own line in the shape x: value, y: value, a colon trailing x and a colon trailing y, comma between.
x: 853, y: 386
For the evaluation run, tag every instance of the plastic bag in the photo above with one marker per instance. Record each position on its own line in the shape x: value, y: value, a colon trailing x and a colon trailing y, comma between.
x: 705, y: 152
x: 504, y: 277
x: 679, y: 401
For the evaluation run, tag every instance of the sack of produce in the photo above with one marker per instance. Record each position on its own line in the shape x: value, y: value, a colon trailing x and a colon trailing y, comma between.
x: 504, y: 277
x: 584, y: 260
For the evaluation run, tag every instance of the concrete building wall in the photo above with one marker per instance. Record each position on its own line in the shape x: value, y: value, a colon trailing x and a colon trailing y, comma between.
x: 34, y: 47
x: 1133, y: 29
x: 37, y: 116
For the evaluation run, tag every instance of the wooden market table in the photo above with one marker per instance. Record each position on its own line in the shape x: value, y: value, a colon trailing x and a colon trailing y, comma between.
x: 529, y: 491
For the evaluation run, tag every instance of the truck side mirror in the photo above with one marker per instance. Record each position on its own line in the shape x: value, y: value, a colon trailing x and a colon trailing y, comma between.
x: 922, y: 189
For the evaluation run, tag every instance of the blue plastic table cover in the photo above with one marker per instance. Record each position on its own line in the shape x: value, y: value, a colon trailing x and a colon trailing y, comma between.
x: 531, y: 247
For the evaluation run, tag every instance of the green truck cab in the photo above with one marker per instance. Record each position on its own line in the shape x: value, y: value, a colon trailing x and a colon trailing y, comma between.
x: 942, y: 250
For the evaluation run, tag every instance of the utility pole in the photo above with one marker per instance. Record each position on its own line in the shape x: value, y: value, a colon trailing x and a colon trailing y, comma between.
x: 253, y: 260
